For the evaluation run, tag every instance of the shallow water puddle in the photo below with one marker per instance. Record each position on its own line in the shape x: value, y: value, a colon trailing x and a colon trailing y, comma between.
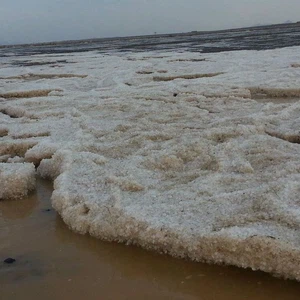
x: 54, y: 263
x: 276, y: 100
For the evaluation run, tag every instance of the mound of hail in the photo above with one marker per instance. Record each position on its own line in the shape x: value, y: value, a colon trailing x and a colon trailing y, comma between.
x: 16, y: 180
x: 193, y: 155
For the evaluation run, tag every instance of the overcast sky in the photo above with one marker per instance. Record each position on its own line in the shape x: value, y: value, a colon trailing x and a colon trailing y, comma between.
x: 27, y: 21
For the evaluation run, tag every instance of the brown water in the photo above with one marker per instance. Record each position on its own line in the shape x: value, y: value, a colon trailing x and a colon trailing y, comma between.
x: 276, y: 100
x: 55, y: 263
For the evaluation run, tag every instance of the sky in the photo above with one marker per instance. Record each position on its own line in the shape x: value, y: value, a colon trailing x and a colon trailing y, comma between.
x: 28, y: 21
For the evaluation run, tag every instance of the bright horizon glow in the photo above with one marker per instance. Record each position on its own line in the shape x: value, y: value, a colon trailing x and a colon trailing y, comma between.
x: 34, y: 21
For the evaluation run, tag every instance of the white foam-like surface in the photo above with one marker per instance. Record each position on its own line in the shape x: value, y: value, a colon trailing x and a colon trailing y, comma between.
x: 16, y: 180
x: 195, y: 168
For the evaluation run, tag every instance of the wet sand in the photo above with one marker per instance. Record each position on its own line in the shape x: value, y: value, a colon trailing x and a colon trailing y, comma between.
x: 54, y: 263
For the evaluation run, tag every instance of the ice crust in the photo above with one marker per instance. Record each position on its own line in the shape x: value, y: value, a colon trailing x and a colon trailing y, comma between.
x: 16, y: 180
x: 194, y: 166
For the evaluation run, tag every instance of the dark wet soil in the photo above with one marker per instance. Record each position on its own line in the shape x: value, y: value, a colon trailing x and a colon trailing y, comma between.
x: 251, y: 38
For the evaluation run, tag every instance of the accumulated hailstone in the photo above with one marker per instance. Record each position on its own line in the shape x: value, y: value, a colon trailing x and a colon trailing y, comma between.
x: 16, y: 180
x: 157, y: 152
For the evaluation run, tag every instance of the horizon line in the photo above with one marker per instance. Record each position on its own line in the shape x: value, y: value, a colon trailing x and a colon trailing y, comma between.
x: 193, y: 32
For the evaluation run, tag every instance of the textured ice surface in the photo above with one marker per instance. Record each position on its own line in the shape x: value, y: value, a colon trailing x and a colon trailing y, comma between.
x: 16, y: 180
x: 203, y: 167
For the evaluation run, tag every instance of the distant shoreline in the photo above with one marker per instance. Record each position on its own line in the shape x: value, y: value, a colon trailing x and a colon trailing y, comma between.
x: 194, y: 32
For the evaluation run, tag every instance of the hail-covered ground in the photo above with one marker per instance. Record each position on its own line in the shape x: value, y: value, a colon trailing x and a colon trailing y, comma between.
x: 195, y: 155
